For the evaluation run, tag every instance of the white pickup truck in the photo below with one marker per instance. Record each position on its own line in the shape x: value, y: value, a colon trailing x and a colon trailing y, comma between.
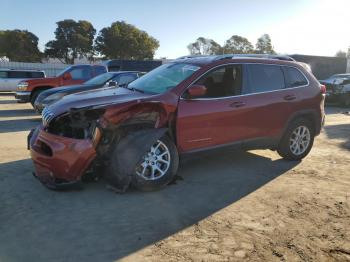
x: 9, y: 78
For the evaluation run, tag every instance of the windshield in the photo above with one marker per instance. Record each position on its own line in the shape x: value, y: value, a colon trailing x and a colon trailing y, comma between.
x: 164, y: 77
x: 100, y: 79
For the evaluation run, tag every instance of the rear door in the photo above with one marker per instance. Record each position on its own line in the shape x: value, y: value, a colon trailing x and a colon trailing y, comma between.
x: 268, y: 102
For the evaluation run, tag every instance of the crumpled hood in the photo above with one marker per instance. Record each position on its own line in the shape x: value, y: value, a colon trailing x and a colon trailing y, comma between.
x: 102, y: 96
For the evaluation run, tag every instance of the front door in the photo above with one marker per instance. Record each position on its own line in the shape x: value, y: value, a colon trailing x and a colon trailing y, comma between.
x: 214, y: 119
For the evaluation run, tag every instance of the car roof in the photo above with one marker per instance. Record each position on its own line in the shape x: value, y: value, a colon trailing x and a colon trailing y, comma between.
x: 23, y: 70
x: 123, y: 72
x: 208, y: 59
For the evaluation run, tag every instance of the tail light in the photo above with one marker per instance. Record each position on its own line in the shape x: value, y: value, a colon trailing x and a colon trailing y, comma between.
x: 323, y: 89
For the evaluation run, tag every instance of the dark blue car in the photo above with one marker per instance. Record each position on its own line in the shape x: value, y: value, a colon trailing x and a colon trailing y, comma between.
x: 110, y: 79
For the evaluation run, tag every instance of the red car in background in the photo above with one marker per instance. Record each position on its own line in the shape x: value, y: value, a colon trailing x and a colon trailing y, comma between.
x: 28, y: 90
x: 136, y: 133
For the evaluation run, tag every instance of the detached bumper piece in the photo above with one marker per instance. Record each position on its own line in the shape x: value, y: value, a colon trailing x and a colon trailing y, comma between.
x: 58, y: 184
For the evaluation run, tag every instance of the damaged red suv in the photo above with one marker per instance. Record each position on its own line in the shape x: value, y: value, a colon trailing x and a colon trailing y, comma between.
x: 135, y: 134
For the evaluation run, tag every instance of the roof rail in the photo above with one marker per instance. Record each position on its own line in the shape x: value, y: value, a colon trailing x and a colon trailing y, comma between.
x: 191, y: 56
x: 265, y: 56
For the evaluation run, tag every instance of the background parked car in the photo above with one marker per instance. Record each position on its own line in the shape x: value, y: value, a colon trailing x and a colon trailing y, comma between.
x: 9, y: 78
x: 116, y: 79
x: 28, y: 91
x: 338, y: 89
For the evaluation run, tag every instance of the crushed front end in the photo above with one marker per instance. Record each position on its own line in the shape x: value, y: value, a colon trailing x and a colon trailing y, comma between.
x: 64, y: 147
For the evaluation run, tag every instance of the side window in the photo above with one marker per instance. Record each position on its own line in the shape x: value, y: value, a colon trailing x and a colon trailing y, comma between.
x: 263, y: 78
x: 81, y: 73
x: 294, y: 77
x: 17, y: 74
x: 224, y: 81
x: 3, y: 74
x: 126, y: 79
x: 99, y: 70
x: 35, y: 74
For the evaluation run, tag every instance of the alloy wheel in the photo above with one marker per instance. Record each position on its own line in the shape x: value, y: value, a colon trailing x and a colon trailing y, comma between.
x: 299, y: 140
x: 155, y: 163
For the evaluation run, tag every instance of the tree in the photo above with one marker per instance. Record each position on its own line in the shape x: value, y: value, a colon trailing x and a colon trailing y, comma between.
x: 264, y: 46
x: 73, y: 40
x: 125, y: 41
x: 204, y: 46
x: 21, y: 46
x: 238, y: 45
x: 340, y: 53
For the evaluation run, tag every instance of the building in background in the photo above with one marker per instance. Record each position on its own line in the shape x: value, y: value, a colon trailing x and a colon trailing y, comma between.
x: 324, y: 66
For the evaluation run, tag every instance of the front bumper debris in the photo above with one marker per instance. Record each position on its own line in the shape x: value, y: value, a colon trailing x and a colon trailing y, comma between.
x: 59, y: 161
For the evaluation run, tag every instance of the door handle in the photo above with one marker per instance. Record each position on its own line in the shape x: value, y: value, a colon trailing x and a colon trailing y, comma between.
x: 237, y: 104
x: 289, y: 97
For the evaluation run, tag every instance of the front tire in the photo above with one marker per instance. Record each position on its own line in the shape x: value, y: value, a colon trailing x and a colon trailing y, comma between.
x: 158, y: 166
x: 297, y: 141
x: 34, y: 96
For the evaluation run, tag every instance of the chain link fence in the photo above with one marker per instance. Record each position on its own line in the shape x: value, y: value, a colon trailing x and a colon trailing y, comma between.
x: 49, y: 69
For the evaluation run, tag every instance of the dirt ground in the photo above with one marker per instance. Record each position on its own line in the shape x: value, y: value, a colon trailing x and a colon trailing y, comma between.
x: 228, y: 207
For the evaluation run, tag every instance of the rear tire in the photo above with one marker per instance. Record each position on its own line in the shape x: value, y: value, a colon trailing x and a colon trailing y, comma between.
x: 297, y: 141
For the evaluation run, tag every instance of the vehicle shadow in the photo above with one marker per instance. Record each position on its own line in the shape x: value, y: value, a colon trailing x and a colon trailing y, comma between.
x: 4, y: 102
x: 341, y: 131
x: 331, y: 110
x: 17, y: 125
x: 17, y: 112
x: 98, y: 225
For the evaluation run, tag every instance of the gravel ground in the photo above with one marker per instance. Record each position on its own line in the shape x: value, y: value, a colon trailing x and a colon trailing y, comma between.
x: 234, y: 206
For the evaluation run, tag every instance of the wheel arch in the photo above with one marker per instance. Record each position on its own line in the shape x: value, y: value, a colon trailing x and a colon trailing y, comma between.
x: 146, y: 115
x: 38, y: 88
x: 308, y: 114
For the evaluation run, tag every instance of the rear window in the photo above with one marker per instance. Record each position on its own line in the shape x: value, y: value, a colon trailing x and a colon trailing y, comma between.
x: 263, y: 78
x: 294, y: 77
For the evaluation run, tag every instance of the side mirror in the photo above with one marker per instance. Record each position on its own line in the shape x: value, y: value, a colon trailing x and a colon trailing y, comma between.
x: 112, y: 83
x: 197, y: 90
x: 67, y: 76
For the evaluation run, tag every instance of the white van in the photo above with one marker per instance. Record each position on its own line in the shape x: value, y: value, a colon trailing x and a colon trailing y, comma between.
x: 9, y: 78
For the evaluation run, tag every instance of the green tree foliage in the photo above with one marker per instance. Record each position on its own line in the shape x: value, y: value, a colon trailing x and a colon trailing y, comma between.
x: 264, y: 45
x: 340, y: 53
x: 204, y: 46
x: 73, y: 40
x: 238, y: 45
x: 18, y: 45
x: 125, y: 41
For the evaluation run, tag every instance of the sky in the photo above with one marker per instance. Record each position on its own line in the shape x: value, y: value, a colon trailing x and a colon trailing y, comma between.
x: 312, y: 27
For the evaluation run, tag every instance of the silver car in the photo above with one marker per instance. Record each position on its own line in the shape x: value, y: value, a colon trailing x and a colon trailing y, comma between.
x: 9, y: 78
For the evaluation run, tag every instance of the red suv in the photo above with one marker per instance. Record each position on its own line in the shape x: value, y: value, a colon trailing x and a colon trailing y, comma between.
x: 136, y: 133
x: 28, y: 90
